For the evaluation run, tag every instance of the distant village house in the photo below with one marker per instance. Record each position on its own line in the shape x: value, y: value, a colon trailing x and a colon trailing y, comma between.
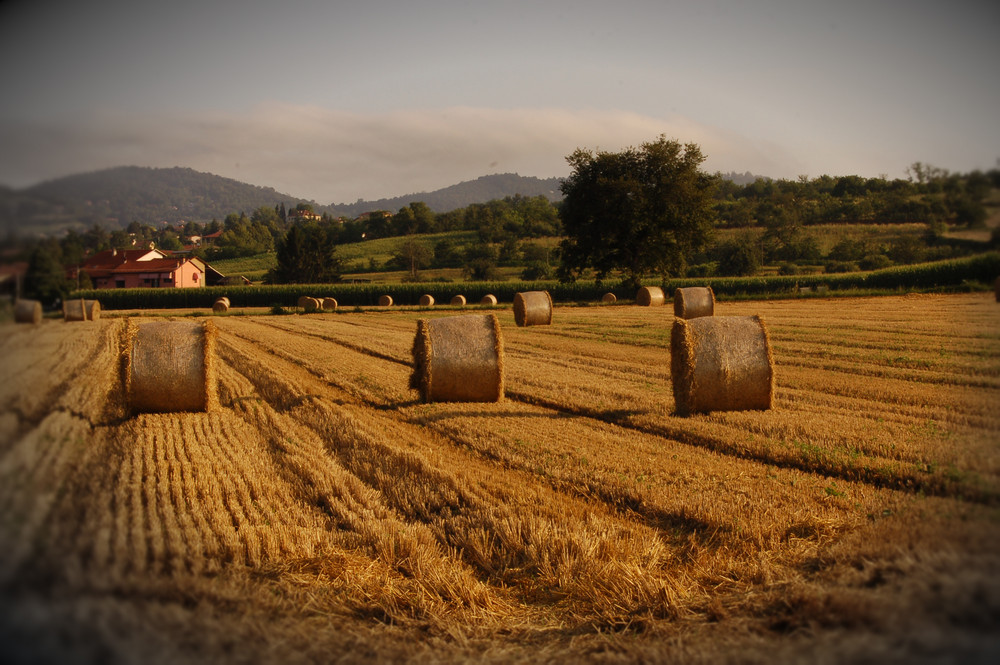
x: 145, y: 268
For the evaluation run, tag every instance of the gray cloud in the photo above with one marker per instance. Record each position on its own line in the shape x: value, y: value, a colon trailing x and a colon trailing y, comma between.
x: 337, y: 157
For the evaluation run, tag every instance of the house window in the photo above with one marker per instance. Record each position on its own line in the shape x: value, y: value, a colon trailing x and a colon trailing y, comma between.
x: 119, y: 283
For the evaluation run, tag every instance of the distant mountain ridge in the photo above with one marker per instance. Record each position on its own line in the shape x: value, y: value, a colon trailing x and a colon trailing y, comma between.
x: 117, y: 196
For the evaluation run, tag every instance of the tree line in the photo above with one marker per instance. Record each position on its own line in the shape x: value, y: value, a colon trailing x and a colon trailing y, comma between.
x: 625, y: 215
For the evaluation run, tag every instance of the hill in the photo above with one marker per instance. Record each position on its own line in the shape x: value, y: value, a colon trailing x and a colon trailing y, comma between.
x: 480, y: 190
x: 115, y: 197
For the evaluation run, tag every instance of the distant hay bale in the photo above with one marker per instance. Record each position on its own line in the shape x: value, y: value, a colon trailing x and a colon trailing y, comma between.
x: 609, y: 298
x: 488, y: 299
x: 458, y: 301
x: 694, y: 301
x: 721, y: 363
x: 385, y: 301
x: 427, y: 300
x: 170, y: 366
x: 308, y: 304
x: 328, y: 304
x: 28, y: 311
x: 458, y: 359
x: 79, y: 309
x: 533, y: 308
x: 221, y: 305
x: 649, y: 296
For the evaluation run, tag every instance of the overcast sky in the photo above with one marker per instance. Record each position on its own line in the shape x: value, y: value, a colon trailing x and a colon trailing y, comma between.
x: 335, y: 101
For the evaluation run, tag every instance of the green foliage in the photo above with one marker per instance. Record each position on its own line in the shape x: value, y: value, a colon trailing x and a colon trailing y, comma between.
x: 306, y: 256
x: 950, y: 275
x: 46, y: 278
x: 640, y: 211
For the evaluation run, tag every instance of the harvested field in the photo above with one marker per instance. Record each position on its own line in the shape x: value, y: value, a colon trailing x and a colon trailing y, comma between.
x: 324, y: 513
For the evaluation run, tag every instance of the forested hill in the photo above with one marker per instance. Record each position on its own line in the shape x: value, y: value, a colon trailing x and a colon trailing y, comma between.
x: 115, y: 197
x: 481, y: 190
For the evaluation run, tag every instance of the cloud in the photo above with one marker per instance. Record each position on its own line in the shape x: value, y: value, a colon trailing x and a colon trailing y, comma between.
x: 337, y: 157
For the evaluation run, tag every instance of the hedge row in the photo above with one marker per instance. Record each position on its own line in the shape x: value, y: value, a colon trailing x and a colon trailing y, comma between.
x: 983, y: 268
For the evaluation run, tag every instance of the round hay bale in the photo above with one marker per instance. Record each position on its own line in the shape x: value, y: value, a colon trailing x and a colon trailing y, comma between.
x: 385, y: 301
x: 694, y: 301
x: 220, y: 305
x: 170, y: 366
x: 81, y: 310
x: 308, y: 304
x: 28, y: 311
x: 609, y: 298
x: 328, y: 304
x: 458, y: 300
x: 427, y: 300
x: 488, y: 299
x: 458, y: 359
x: 650, y: 296
x: 721, y: 363
x: 533, y: 308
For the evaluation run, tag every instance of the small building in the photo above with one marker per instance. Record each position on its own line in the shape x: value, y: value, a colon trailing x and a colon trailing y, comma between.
x: 145, y: 268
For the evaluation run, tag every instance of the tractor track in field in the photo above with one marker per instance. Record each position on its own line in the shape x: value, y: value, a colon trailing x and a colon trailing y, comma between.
x: 874, y: 476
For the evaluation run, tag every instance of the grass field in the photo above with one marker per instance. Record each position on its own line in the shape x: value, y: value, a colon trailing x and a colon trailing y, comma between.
x: 322, y: 513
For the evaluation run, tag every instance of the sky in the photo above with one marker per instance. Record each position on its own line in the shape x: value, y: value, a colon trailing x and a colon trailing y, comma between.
x: 338, y: 101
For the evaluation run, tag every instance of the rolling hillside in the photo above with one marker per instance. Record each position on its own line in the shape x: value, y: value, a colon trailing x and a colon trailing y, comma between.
x: 115, y: 197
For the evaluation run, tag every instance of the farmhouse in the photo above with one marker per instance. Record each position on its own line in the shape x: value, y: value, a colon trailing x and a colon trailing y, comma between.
x: 149, y: 268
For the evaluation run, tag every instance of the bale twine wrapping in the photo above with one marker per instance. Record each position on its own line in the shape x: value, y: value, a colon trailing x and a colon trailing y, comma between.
x: 385, y: 301
x: 28, y: 311
x: 328, y: 304
x: 458, y: 301
x: 220, y: 305
x: 458, y: 359
x: 533, y: 308
x: 170, y: 366
x: 488, y: 299
x: 81, y: 310
x: 721, y: 363
x: 649, y: 296
x: 427, y: 300
x: 308, y: 303
x: 609, y: 298
x: 694, y: 301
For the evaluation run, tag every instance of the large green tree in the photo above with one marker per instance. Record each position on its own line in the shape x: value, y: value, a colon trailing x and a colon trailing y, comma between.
x: 306, y: 256
x: 636, y: 212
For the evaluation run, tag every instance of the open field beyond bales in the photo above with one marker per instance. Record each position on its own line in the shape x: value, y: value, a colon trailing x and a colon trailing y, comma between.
x: 322, y: 513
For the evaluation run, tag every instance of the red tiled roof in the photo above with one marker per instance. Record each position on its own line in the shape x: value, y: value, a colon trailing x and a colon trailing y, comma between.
x: 153, y: 265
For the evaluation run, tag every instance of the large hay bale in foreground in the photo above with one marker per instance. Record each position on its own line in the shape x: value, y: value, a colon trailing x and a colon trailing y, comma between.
x: 721, y: 363
x: 650, y: 296
x: 28, y: 311
x: 694, y: 301
x: 609, y: 298
x: 458, y: 359
x: 533, y: 308
x: 170, y: 366
x: 308, y: 303
x: 79, y: 309
x: 458, y: 301
x: 488, y: 299
x: 328, y: 304
x: 385, y: 301
x: 221, y: 305
x: 427, y: 300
